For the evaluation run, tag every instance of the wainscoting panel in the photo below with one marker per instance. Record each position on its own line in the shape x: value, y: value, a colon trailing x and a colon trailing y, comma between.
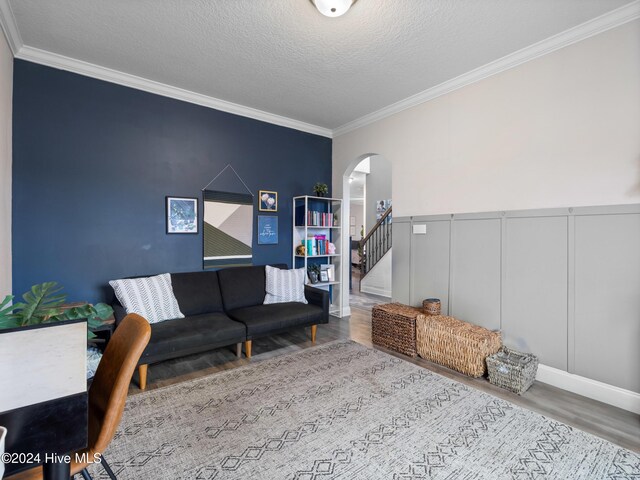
x: 607, y: 299
x: 534, y: 295
x: 430, y: 262
x: 563, y: 283
x: 475, y: 271
x: 401, y: 265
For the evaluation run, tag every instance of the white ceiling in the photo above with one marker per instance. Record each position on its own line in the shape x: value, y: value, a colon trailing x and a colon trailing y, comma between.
x: 285, y: 58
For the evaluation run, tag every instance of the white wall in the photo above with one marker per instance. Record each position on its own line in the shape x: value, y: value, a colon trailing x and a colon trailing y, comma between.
x: 561, y: 130
x: 6, y: 95
x: 357, y: 211
x: 378, y: 188
x: 378, y: 280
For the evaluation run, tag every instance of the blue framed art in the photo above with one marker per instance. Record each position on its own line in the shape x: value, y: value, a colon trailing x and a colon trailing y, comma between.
x: 181, y: 214
x: 267, y: 230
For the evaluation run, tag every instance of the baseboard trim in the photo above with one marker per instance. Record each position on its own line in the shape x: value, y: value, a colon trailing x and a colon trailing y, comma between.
x: 376, y: 291
x: 618, y: 397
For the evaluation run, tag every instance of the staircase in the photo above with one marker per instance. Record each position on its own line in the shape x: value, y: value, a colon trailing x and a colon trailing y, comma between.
x: 376, y: 243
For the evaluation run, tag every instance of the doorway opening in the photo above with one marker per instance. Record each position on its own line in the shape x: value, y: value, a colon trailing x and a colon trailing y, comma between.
x: 368, y: 197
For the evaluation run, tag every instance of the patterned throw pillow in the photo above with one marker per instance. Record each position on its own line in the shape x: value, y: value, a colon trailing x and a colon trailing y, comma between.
x: 151, y: 297
x: 284, y: 285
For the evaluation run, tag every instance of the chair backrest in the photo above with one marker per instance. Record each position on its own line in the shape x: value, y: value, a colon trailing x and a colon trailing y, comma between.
x: 108, y: 391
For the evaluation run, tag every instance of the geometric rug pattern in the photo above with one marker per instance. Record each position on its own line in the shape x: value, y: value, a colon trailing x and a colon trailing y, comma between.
x: 345, y: 411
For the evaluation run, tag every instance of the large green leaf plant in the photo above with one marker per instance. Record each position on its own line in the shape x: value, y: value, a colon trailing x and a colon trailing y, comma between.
x: 43, y: 304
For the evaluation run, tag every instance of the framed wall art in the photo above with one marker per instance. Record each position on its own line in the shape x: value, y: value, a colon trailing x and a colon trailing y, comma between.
x: 268, y: 201
x: 181, y: 214
x: 267, y: 230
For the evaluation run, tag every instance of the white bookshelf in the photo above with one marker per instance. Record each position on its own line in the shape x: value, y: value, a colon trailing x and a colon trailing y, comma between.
x: 332, y: 230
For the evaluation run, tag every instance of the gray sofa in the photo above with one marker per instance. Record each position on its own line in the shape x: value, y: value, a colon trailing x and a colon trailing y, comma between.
x: 222, y: 308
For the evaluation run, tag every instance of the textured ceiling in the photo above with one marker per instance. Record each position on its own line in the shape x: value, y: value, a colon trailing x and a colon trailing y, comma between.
x: 283, y: 57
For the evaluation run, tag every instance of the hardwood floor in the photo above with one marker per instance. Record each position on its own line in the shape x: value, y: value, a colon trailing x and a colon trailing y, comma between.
x: 611, y: 423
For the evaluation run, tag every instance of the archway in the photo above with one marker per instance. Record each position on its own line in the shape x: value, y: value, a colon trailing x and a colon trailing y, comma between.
x: 378, y: 180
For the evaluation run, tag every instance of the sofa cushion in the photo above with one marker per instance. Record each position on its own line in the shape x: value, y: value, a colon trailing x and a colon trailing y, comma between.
x: 197, y: 292
x: 191, y: 334
x: 284, y: 285
x: 151, y: 297
x: 266, y: 319
x: 242, y: 286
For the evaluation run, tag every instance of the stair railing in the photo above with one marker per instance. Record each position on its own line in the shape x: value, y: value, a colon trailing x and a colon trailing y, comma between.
x: 376, y: 243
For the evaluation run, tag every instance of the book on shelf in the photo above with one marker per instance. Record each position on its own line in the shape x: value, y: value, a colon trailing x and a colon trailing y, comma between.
x: 317, y: 245
x: 319, y: 219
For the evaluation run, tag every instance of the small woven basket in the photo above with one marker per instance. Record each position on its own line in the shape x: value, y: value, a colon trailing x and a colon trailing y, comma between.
x: 431, y: 306
x: 512, y: 370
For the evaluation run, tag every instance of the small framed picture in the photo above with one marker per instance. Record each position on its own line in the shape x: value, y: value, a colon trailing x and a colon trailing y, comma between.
x: 324, y: 276
x: 267, y: 230
x: 181, y: 214
x: 352, y: 221
x: 352, y: 231
x: 268, y: 201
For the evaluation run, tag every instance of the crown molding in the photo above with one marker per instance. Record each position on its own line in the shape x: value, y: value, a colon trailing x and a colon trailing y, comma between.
x: 9, y: 27
x: 114, y: 76
x: 581, y: 32
x: 612, y: 19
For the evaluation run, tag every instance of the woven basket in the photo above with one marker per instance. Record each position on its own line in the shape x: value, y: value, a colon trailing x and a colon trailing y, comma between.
x: 431, y: 306
x: 456, y: 344
x: 393, y: 326
x: 512, y: 370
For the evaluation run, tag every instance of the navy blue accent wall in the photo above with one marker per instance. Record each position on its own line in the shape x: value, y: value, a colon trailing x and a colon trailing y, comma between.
x: 93, y: 161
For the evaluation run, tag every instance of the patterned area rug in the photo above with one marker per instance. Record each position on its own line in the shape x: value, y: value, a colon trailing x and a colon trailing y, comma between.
x: 346, y: 411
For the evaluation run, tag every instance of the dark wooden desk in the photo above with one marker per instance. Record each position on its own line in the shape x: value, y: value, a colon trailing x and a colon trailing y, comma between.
x: 49, y: 430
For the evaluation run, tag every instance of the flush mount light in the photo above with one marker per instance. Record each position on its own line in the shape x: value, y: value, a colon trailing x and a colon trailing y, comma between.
x: 333, y: 8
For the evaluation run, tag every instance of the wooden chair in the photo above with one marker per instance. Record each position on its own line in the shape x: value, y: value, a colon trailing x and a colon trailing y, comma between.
x: 107, y: 394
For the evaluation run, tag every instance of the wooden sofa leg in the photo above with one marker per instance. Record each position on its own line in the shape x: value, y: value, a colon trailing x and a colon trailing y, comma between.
x: 314, y: 329
x: 142, y: 373
x: 239, y: 349
x: 247, y: 348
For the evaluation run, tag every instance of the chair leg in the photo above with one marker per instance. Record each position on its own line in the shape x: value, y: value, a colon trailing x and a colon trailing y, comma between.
x: 107, y: 468
x: 247, y: 348
x: 85, y: 474
x: 142, y: 373
x: 239, y: 349
x: 314, y: 329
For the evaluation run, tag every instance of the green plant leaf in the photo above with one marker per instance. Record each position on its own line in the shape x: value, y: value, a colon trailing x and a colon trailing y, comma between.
x: 6, y: 308
x: 40, y: 303
x: 103, y: 311
x: 7, y: 317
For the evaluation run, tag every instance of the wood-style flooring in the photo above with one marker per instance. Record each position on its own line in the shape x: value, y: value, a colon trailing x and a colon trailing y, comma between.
x: 614, y: 424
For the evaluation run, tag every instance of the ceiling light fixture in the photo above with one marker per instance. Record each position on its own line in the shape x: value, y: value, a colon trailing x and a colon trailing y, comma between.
x: 333, y: 8
x: 350, y: 179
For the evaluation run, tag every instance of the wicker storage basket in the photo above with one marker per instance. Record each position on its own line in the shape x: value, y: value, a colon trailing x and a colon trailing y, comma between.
x: 431, y: 306
x: 393, y: 326
x: 456, y: 344
x: 512, y: 370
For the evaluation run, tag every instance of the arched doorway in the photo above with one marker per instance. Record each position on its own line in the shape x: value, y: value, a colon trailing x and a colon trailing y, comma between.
x: 367, y: 194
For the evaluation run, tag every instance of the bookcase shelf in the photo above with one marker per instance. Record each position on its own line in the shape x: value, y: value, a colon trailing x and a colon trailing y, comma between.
x: 308, y: 209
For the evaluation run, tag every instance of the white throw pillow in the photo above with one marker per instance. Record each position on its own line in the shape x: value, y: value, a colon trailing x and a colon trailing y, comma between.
x: 284, y: 285
x: 151, y: 297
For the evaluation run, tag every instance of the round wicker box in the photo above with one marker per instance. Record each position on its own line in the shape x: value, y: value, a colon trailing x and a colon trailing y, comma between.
x: 431, y: 306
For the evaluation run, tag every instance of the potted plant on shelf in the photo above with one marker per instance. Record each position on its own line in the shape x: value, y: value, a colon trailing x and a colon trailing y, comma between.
x: 313, y: 271
x: 320, y: 189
